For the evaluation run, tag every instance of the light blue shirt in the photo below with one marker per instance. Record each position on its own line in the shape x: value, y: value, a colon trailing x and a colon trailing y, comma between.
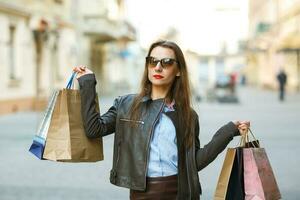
x: 163, y: 147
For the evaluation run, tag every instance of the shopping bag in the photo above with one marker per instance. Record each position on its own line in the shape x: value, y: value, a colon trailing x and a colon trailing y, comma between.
x: 252, y: 181
x: 231, y: 180
x: 235, y: 188
x: 251, y: 175
x: 38, y: 145
x: 66, y: 139
x: 221, y: 190
x: 266, y: 174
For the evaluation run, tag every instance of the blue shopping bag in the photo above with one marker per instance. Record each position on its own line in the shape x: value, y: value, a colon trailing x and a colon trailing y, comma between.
x: 39, y: 140
x: 38, y: 145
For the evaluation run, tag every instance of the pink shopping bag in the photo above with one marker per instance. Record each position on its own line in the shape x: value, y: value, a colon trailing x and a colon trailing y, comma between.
x: 252, y: 182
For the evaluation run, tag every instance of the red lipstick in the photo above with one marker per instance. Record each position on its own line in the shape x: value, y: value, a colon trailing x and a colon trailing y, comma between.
x: 157, y: 76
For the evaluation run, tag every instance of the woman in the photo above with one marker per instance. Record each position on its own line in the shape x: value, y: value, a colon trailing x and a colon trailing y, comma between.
x: 157, y: 151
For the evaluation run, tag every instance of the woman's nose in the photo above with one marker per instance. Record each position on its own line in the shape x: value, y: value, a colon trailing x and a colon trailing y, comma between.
x: 158, y: 67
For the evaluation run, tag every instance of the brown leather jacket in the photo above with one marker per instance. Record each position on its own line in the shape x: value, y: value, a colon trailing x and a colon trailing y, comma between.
x: 131, y: 143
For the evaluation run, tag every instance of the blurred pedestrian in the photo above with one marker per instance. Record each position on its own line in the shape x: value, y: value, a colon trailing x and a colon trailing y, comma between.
x: 282, y: 80
x: 157, y: 153
x: 232, y: 82
x: 243, y: 80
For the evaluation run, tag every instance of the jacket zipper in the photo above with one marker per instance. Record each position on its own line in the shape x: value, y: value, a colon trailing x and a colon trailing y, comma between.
x: 130, y: 120
x: 151, y: 134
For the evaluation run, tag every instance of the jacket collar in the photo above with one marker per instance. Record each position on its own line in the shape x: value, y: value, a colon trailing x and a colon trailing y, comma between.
x: 148, y: 98
x: 145, y: 98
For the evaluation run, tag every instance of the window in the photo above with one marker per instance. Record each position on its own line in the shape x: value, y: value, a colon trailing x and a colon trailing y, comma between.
x: 11, y: 52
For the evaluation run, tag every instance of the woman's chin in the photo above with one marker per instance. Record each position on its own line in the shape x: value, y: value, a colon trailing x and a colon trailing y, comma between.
x: 160, y: 85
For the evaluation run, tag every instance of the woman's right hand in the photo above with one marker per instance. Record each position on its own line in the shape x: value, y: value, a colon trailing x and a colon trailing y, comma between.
x: 81, y: 71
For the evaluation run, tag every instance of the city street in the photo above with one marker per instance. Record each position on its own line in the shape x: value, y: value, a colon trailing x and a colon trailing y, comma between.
x: 275, y: 124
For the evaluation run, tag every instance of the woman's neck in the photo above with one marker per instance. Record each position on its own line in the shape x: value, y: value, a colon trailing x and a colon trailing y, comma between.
x: 159, y: 92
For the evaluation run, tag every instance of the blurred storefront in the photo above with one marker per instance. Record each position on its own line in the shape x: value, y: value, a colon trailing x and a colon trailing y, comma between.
x: 42, y: 40
x: 274, y: 42
x: 105, y: 36
x: 15, y: 42
x: 35, y: 44
x: 209, y: 71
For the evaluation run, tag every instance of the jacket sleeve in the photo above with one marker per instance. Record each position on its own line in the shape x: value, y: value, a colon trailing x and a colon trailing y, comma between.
x: 95, y: 125
x: 207, y: 154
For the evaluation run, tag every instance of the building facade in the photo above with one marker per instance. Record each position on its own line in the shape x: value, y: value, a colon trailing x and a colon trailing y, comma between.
x: 39, y: 46
x: 274, y: 42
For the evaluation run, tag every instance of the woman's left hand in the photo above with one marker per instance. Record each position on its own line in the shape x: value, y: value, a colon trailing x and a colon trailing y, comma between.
x: 243, y: 126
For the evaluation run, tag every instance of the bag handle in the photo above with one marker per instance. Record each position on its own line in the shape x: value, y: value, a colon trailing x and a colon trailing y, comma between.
x: 242, y: 142
x: 246, y: 139
x: 252, y: 141
x: 71, y: 81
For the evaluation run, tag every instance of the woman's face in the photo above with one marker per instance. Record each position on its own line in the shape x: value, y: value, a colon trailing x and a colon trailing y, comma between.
x: 162, y: 67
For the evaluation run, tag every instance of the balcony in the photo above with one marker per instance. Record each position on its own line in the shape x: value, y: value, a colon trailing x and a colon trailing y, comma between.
x: 106, y: 30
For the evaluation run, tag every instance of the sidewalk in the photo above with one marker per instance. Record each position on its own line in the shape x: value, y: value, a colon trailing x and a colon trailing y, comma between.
x: 275, y: 124
x: 249, y: 95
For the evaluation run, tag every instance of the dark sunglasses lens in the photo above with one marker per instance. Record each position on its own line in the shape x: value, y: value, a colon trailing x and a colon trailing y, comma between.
x: 152, y: 61
x: 167, y: 62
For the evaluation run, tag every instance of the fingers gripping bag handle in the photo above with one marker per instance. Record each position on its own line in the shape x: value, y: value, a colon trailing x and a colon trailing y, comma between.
x: 249, y: 141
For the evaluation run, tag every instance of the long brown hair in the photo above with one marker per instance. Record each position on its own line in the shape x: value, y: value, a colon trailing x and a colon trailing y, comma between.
x: 179, y: 91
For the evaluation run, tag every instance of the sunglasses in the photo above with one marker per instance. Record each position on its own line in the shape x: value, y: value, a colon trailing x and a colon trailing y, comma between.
x: 165, y: 62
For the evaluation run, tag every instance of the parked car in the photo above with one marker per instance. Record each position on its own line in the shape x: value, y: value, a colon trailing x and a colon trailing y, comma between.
x: 222, y: 81
x: 224, y: 92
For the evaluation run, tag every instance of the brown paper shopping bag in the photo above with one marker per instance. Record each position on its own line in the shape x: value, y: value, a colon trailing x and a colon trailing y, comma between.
x: 66, y: 139
x: 266, y: 174
x: 222, y: 186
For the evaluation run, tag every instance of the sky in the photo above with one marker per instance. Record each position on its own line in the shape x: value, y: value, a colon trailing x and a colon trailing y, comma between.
x: 202, y: 25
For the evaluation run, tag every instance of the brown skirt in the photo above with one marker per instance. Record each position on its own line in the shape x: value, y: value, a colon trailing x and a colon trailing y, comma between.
x: 157, y: 188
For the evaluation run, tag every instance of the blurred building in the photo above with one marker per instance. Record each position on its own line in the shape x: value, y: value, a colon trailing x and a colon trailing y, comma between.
x: 209, y: 70
x: 206, y: 70
x: 41, y: 41
x: 274, y: 42
x: 105, y: 37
